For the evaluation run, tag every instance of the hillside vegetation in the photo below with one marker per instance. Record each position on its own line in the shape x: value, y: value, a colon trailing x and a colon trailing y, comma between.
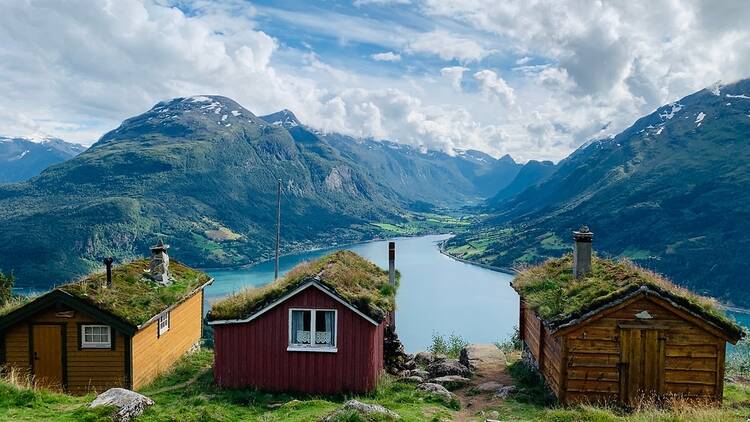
x: 202, y: 172
x: 670, y: 193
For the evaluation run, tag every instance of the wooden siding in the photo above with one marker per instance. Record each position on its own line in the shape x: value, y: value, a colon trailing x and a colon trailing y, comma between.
x: 86, y: 370
x: 254, y: 354
x: 153, y: 354
x: 545, y: 348
x: 693, y: 357
x: 582, y: 364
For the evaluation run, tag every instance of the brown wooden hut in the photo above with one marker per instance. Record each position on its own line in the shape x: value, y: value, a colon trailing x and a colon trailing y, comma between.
x: 606, y: 331
x: 120, y: 330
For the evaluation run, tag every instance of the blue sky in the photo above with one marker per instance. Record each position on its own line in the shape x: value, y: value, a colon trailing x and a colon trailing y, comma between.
x: 532, y: 78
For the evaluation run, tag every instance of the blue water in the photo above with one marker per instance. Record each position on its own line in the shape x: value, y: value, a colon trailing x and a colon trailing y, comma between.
x: 436, y: 294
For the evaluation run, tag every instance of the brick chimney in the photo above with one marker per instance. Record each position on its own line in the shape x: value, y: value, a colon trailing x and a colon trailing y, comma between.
x: 108, y: 264
x: 392, y: 263
x: 159, y: 268
x: 582, y: 251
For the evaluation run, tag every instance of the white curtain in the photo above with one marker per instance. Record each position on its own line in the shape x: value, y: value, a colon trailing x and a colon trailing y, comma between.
x: 299, y: 335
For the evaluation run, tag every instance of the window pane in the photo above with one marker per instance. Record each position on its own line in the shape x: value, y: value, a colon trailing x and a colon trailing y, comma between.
x: 301, y: 322
x: 325, y: 328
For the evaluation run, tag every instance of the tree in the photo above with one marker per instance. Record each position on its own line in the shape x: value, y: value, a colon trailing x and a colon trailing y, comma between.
x: 6, y: 287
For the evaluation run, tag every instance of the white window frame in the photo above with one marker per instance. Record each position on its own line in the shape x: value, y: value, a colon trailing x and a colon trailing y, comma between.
x: 95, y: 344
x: 303, y: 348
x: 163, y: 317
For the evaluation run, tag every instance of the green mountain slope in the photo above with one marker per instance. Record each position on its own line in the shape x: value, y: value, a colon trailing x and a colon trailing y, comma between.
x: 671, y: 192
x: 22, y: 159
x: 201, y: 172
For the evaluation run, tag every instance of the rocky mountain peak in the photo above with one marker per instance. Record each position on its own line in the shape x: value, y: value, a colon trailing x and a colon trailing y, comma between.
x: 284, y: 118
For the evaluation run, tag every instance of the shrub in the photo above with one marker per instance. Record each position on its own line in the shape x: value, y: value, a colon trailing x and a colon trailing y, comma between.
x: 6, y: 287
x: 738, y: 360
x: 450, y: 347
x: 511, y: 344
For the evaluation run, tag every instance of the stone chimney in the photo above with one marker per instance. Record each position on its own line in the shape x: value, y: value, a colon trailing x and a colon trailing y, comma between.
x: 159, y: 269
x: 392, y: 263
x: 582, y: 251
x: 108, y: 264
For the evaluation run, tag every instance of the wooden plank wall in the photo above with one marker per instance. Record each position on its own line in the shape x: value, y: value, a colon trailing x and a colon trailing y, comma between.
x: 88, y: 370
x: 154, y: 354
x: 254, y: 354
x: 694, y: 358
x: 545, y: 348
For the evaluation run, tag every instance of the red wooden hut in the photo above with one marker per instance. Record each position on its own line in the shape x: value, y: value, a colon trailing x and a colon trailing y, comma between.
x: 318, y: 330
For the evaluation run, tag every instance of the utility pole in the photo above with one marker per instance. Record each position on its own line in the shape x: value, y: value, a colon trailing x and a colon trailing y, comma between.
x: 278, y: 228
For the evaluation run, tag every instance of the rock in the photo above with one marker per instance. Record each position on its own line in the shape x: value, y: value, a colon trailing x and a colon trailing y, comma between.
x: 419, y: 373
x: 437, y: 390
x: 364, y: 409
x: 394, y: 356
x: 493, y: 415
x: 490, y: 387
x: 410, y: 364
x: 448, y: 367
x: 505, y: 392
x: 475, y: 355
x: 451, y: 382
x: 424, y: 358
x: 129, y: 404
x: 491, y: 420
x: 413, y: 379
x: 439, y: 357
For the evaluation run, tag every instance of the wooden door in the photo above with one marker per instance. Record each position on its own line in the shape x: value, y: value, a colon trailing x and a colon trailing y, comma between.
x: 47, y: 355
x: 641, y: 365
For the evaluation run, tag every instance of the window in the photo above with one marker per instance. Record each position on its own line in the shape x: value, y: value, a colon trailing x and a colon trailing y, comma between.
x: 312, y: 330
x: 96, y: 337
x: 163, y: 323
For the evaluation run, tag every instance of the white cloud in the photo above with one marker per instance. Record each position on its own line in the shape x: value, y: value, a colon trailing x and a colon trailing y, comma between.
x: 455, y: 75
x: 380, y: 2
x: 387, y: 56
x: 595, y: 64
x: 495, y: 86
x: 448, y: 46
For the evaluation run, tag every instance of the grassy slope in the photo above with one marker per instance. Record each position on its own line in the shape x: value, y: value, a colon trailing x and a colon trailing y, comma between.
x: 200, y: 401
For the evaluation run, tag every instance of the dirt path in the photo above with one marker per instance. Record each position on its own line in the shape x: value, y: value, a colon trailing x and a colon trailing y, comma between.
x: 490, y: 366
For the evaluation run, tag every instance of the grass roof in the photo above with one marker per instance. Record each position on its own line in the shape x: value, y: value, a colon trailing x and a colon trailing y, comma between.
x: 356, y: 280
x: 14, y: 303
x: 558, y: 297
x: 133, y: 296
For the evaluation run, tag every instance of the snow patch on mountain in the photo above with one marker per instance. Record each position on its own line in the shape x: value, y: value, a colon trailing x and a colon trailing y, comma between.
x: 700, y: 117
x: 668, y: 115
x: 738, y: 96
x: 715, y: 88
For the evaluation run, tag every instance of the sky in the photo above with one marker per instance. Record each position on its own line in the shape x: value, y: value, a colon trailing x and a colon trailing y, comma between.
x: 531, y: 78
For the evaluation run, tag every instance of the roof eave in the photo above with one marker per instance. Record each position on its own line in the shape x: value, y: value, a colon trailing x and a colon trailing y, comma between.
x: 176, y: 304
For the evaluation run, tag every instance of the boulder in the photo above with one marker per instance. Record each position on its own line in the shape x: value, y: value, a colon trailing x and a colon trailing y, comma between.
x: 369, y: 411
x: 451, y: 382
x: 437, y: 390
x: 505, y: 392
x: 424, y: 358
x: 475, y: 355
x: 412, y: 379
x: 129, y: 404
x: 448, y: 367
x: 490, y: 387
x: 419, y: 373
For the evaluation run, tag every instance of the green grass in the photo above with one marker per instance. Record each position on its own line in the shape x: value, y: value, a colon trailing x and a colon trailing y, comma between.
x: 354, y: 278
x: 202, y: 401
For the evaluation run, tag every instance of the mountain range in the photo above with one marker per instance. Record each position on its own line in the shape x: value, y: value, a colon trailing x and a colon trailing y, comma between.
x: 24, y: 158
x: 201, y: 173
x: 671, y: 192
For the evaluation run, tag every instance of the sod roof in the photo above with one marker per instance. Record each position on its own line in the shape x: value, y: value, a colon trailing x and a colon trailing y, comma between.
x: 559, y: 298
x: 354, y: 279
x: 134, y: 297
